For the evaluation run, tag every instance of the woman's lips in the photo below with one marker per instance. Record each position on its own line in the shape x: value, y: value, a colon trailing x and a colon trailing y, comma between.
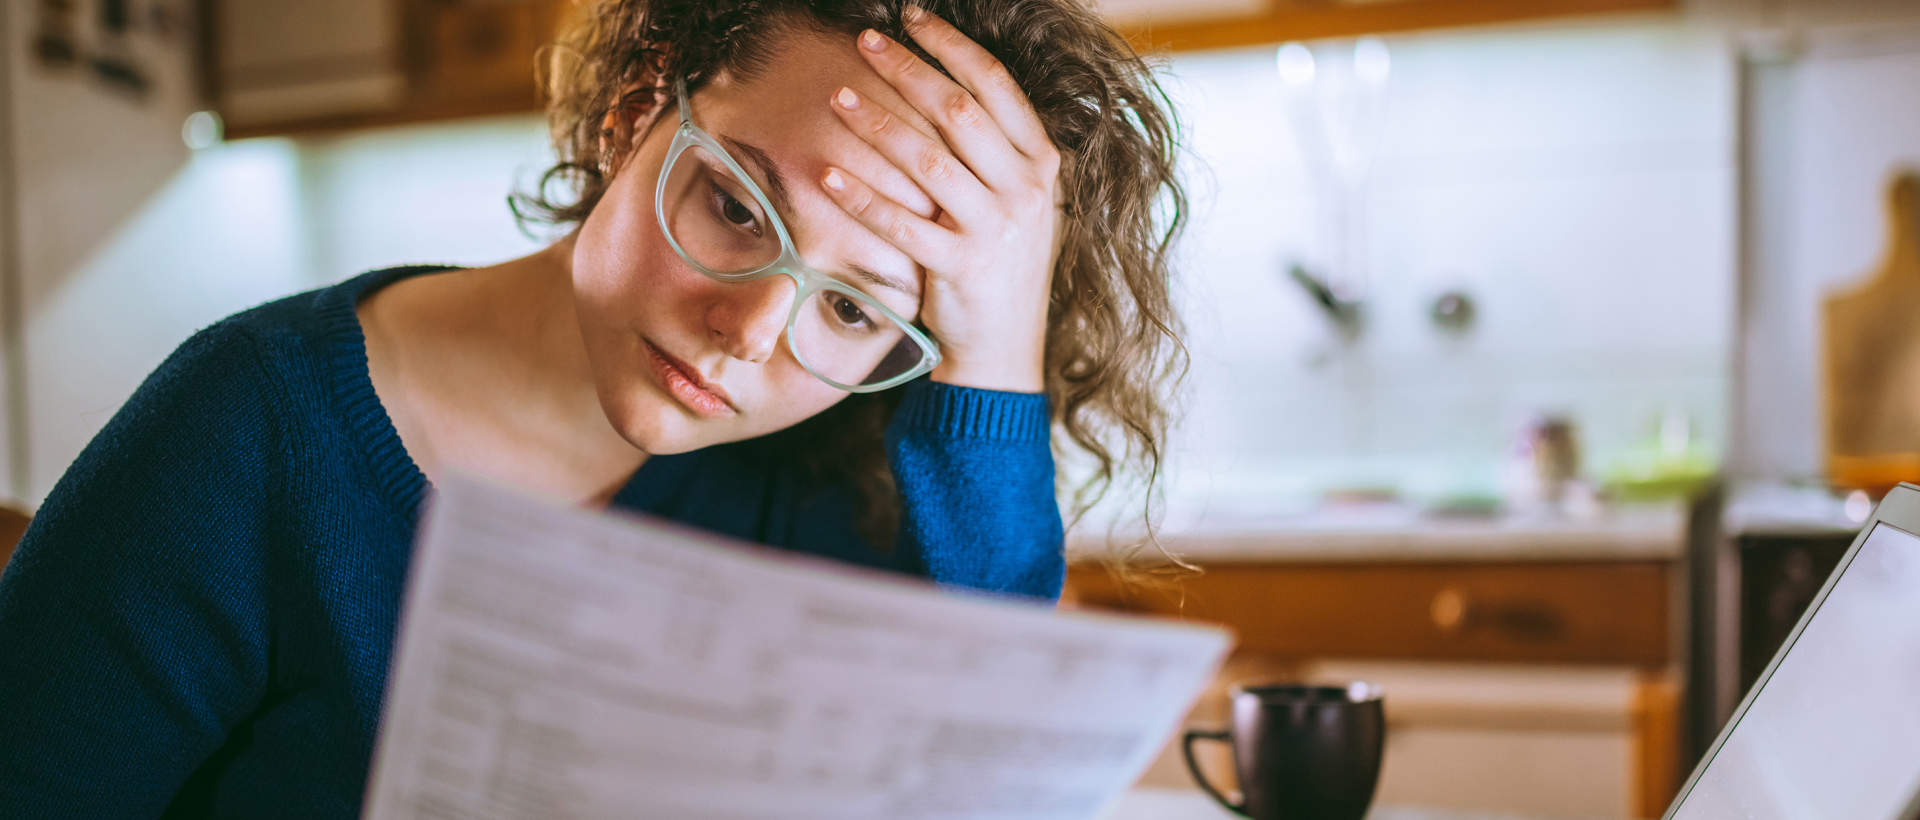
x: 685, y: 384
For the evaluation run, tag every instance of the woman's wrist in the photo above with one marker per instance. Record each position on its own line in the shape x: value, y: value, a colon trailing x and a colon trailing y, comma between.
x: 997, y: 346
x: 965, y: 412
x: 1012, y: 374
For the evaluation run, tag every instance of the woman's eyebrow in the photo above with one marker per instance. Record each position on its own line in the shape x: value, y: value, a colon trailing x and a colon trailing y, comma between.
x: 776, y: 181
x: 867, y: 274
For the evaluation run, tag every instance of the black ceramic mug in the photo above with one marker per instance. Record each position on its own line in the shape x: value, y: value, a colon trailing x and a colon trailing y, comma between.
x: 1302, y: 752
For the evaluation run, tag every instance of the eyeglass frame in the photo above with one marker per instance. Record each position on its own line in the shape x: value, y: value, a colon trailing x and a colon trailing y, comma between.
x: 807, y: 280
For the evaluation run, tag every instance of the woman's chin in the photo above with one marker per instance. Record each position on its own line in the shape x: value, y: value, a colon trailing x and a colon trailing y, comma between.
x: 663, y: 436
x: 660, y: 426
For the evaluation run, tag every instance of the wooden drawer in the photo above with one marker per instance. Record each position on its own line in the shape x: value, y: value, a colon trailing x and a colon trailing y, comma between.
x: 1560, y: 612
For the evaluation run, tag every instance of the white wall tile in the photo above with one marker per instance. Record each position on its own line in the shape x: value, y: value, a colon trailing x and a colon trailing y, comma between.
x: 1578, y: 181
x: 421, y: 194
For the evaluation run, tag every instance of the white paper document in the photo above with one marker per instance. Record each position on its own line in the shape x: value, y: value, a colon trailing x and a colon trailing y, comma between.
x: 566, y: 665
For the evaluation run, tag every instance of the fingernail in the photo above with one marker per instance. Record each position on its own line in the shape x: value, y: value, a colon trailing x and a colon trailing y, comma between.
x: 871, y: 40
x: 834, y: 180
x: 847, y: 99
x: 911, y: 13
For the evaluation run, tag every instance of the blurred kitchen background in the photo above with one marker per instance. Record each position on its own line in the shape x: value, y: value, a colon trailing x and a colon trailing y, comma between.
x: 1507, y: 351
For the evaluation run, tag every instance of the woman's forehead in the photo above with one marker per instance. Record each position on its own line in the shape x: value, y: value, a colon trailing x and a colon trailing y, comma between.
x: 783, y: 113
x: 805, y: 69
x: 779, y: 126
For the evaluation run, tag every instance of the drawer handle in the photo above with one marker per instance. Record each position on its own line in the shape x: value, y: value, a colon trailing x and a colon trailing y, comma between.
x: 1451, y: 610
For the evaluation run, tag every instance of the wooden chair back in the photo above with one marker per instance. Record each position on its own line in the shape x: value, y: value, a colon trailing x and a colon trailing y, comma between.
x: 13, y: 524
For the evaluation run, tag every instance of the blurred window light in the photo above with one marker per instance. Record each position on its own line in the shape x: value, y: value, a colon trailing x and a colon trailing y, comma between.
x: 1296, y: 63
x: 202, y: 129
x: 1371, y: 62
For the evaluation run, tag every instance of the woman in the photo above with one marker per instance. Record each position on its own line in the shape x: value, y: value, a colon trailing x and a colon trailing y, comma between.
x: 819, y: 294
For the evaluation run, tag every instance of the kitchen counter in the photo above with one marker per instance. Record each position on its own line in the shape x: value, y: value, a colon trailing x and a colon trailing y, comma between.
x: 1768, y: 508
x: 1391, y: 584
x: 1391, y: 532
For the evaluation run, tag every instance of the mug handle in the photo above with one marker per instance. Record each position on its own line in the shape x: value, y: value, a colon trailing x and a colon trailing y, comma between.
x: 1200, y: 777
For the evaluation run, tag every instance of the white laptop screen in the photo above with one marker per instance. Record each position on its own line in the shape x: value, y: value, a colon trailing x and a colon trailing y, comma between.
x: 1835, y: 731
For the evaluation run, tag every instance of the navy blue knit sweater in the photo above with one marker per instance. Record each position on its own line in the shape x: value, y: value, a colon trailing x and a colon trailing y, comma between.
x: 199, y: 621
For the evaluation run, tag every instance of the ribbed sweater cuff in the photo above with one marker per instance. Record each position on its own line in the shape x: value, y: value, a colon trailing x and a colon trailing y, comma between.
x: 971, y: 412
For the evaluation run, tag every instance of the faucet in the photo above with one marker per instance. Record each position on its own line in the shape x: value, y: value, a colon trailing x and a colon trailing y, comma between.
x: 1344, y: 313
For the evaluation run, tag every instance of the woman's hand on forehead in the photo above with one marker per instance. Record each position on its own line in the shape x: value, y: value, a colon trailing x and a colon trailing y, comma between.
x: 992, y: 172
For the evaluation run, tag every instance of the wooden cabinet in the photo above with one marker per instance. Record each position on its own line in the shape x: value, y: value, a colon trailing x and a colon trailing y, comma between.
x: 1602, y: 612
x: 291, y: 66
x: 484, y: 55
x: 278, y: 62
x: 1156, y: 25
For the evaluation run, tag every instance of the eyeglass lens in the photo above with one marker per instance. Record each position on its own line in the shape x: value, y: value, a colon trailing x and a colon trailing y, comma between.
x: 838, y: 332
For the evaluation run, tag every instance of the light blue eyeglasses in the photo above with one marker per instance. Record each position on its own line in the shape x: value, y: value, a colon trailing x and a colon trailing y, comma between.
x: 718, y: 220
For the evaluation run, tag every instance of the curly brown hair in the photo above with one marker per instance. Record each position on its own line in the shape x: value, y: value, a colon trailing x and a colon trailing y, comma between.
x: 1112, y: 351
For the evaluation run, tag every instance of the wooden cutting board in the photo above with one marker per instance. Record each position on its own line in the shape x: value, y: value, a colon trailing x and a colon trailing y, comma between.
x: 1872, y: 347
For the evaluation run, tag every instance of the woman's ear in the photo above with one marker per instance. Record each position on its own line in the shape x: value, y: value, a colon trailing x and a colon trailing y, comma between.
x: 628, y: 119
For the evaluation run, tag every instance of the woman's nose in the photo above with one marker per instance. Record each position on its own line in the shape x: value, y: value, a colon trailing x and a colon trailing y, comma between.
x: 749, y: 317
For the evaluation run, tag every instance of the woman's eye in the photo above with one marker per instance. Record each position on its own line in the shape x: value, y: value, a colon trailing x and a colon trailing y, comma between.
x: 736, y: 212
x: 849, y: 312
x: 733, y: 210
